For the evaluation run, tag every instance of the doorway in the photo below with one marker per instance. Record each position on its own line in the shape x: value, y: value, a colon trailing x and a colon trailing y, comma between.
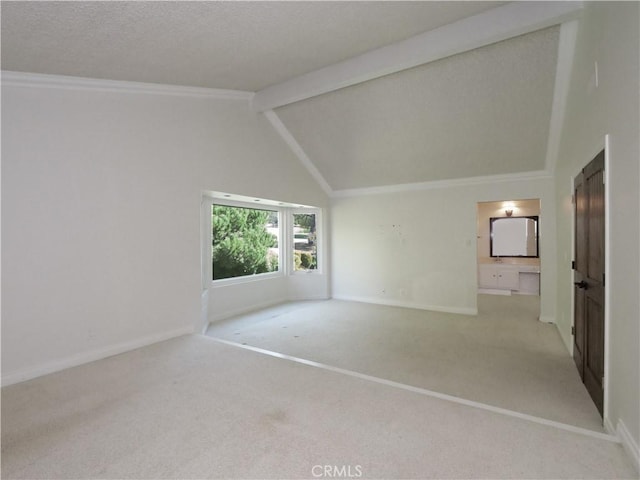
x: 508, y: 264
x: 589, y: 277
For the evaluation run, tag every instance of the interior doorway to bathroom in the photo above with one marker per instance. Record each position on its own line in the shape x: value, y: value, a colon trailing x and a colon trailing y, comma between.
x: 508, y: 247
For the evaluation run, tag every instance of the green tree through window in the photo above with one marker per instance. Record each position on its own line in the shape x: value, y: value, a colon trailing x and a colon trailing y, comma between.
x: 305, y: 250
x: 242, y: 243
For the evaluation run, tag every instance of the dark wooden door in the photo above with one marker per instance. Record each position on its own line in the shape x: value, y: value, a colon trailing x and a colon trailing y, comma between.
x: 588, y: 348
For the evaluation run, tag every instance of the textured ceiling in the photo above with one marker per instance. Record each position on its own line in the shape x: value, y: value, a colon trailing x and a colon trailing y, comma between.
x: 483, y: 112
x: 234, y: 45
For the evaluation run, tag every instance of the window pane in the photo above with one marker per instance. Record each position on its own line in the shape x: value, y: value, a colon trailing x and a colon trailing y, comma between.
x: 305, y: 248
x: 245, y: 241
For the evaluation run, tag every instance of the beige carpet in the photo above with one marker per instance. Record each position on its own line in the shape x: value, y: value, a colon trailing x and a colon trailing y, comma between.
x: 194, y: 408
x: 503, y: 357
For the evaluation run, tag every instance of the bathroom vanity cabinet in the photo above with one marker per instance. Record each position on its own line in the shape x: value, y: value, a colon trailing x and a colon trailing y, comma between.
x: 509, y: 278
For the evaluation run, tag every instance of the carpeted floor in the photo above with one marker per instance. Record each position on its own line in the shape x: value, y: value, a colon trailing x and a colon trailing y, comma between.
x: 192, y: 407
x: 503, y: 357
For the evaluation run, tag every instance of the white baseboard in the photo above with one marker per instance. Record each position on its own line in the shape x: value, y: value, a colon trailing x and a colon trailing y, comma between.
x: 307, y: 298
x: 246, y: 309
x: 566, y: 339
x: 259, y: 306
x: 608, y: 426
x: 629, y: 443
x: 91, y: 356
x: 406, y: 304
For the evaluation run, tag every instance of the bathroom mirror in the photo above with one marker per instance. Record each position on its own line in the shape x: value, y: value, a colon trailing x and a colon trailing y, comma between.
x: 514, y: 237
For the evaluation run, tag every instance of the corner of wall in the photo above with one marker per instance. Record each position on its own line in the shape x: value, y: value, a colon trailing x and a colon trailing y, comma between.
x: 566, y: 339
x: 629, y: 444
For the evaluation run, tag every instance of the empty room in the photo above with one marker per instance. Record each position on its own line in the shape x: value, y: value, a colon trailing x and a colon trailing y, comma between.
x: 320, y: 239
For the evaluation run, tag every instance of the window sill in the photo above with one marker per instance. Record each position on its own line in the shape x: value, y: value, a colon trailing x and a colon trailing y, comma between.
x: 225, y: 282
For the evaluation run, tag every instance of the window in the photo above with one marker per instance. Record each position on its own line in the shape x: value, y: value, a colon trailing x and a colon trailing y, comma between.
x: 305, y: 242
x: 244, y: 241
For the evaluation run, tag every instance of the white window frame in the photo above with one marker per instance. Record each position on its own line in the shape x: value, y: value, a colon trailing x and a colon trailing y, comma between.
x: 285, y: 243
x: 243, y: 278
x: 319, y: 240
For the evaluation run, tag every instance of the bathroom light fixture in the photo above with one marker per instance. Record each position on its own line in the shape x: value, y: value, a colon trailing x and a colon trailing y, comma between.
x: 508, y: 209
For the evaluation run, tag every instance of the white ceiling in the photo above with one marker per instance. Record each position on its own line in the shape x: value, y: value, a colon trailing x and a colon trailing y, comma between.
x: 486, y: 111
x: 231, y: 45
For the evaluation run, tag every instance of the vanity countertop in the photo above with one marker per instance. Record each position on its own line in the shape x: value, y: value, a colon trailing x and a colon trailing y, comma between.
x: 512, y: 266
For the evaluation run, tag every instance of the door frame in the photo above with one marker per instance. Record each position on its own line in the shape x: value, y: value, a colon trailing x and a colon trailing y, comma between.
x: 603, y: 145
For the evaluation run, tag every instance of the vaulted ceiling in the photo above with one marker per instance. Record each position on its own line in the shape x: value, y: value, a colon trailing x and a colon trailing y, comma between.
x: 368, y: 94
x: 485, y: 112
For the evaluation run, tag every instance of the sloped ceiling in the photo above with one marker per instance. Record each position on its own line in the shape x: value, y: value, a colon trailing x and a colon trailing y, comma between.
x: 485, y: 111
x: 230, y: 45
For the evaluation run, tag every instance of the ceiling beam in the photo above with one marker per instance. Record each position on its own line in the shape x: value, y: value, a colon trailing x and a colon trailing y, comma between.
x: 298, y: 151
x: 507, y: 21
x: 566, y: 49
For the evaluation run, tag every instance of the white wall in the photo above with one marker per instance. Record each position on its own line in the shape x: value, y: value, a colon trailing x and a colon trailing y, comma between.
x: 228, y: 300
x: 608, y: 35
x: 225, y: 301
x: 101, y: 195
x: 418, y: 248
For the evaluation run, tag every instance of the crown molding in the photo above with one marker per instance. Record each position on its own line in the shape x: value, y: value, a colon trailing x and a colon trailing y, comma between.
x: 432, y: 185
x: 492, y: 26
x: 24, y: 79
